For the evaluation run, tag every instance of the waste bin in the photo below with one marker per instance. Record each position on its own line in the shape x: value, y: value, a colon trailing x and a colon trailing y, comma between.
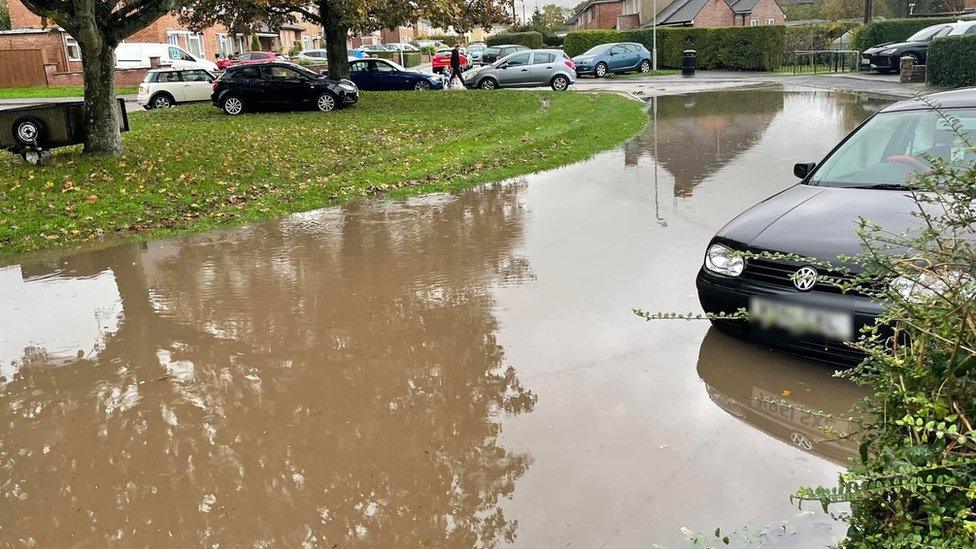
x: 34, y: 130
x: 688, y: 63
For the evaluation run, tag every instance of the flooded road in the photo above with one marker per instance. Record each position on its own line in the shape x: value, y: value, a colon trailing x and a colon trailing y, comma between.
x: 452, y: 370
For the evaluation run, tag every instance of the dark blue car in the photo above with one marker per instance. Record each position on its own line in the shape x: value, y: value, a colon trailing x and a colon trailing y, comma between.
x: 616, y: 57
x: 382, y: 75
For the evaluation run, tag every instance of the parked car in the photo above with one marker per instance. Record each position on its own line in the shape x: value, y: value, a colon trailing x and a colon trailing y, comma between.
x: 163, y: 88
x: 251, y: 57
x: 887, y: 57
x: 494, y: 53
x: 281, y: 85
x: 796, y: 306
x: 322, y: 56
x: 476, y: 49
x: 401, y: 46
x: 135, y: 55
x: 617, y: 57
x: 525, y: 69
x: 441, y: 62
x: 372, y: 48
x: 963, y: 28
x: 385, y: 75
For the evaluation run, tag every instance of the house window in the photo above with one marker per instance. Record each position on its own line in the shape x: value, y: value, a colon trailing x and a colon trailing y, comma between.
x: 753, y: 22
x: 223, y: 45
x: 195, y: 43
x: 306, y: 42
x: 71, y: 47
x: 173, y: 39
x: 770, y: 21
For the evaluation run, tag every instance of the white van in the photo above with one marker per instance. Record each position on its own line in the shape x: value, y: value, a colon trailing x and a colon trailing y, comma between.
x: 135, y: 55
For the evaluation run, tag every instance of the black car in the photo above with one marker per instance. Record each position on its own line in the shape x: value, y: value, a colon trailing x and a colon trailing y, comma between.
x: 887, y: 57
x: 280, y: 85
x: 797, y: 307
x: 495, y: 53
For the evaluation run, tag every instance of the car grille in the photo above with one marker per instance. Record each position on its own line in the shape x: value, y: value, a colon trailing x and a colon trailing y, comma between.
x: 780, y: 273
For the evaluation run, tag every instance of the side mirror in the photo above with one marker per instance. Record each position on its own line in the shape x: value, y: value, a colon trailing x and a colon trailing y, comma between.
x: 803, y: 169
x: 323, y: 73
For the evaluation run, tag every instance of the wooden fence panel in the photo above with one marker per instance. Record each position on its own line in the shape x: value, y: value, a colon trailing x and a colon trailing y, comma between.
x: 22, y: 68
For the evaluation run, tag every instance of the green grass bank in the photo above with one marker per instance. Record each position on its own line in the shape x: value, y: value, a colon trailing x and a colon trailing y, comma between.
x: 192, y: 168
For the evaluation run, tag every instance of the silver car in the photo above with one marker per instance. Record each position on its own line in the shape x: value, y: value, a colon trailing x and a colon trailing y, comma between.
x: 527, y: 68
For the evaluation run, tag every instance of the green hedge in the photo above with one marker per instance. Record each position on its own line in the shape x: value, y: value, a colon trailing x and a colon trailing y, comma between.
x: 531, y: 39
x: 951, y: 62
x: 737, y: 48
x: 893, y: 30
x: 814, y: 37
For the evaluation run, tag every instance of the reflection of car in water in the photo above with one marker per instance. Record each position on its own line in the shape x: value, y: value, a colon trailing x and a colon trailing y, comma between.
x: 749, y: 383
x: 798, y: 307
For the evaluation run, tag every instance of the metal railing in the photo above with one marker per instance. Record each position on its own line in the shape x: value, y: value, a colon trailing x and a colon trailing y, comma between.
x: 822, y: 61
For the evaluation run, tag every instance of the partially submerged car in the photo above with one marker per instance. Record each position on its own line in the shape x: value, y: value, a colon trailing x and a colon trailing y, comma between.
x: 797, y: 306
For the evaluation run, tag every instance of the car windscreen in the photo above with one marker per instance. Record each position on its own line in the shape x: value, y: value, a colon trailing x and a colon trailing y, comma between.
x: 597, y: 50
x: 893, y: 149
x: 928, y: 33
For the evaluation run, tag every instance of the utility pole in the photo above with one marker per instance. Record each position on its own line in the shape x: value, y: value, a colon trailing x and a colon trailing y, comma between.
x: 868, y: 8
x: 654, y: 48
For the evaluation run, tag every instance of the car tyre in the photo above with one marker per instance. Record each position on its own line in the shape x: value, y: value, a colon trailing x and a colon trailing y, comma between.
x: 326, y: 102
x: 559, y: 82
x: 161, y: 101
x: 422, y: 85
x: 600, y: 71
x: 232, y: 105
x: 29, y: 131
x: 488, y: 83
x: 645, y: 66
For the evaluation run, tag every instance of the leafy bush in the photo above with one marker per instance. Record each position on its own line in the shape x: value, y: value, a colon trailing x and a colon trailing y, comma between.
x: 893, y: 30
x: 531, y: 39
x: 409, y: 58
x: 952, y: 62
x: 736, y: 48
x: 915, y: 482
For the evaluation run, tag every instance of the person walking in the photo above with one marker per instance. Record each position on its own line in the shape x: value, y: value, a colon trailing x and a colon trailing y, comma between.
x: 456, y: 66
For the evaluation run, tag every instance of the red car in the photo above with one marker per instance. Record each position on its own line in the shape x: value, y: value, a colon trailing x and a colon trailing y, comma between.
x: 249, y: 58
x: 442, y: 60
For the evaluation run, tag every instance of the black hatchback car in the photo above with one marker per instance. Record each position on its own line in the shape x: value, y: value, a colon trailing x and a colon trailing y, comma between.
x: 280, y: 85
x: 794, y: 306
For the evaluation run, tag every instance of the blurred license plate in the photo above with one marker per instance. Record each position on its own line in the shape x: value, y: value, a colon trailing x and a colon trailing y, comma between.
x: 801, y: 319
x: 865, y: 61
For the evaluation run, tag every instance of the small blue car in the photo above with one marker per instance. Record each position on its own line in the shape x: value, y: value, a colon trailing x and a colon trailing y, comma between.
x: 616, y: 57
x: 374, y: 74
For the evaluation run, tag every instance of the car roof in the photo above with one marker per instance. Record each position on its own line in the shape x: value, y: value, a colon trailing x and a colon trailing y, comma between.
x: 955, y: 99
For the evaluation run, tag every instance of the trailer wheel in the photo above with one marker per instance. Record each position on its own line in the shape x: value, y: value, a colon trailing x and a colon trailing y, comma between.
x: 35, y: 157
x: 28, y: 131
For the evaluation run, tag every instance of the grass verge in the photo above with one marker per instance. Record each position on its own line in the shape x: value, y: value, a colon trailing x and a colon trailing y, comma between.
x: 193, y: 168
x: 55, y: 91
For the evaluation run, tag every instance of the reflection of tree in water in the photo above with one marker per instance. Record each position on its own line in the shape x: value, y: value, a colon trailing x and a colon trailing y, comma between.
x: 699, y: 134
x: 327, y: 379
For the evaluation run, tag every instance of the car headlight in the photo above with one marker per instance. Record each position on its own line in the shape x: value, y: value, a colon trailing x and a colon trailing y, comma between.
x: 928, y: 284
x: 888, y: 51
x: 350, y: 87
x: 723, y: 260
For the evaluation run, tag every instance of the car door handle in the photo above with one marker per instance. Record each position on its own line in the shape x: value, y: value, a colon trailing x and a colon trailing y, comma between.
x: 549, y: 68
x: 525, y: 70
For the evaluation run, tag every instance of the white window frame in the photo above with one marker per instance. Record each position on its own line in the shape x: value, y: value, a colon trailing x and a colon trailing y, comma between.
x: 306, y: 42
x: 224, y: 47
x: 753, y: 22
x: 69, y: 45
x: 192, y: 37
x: 770, y: 21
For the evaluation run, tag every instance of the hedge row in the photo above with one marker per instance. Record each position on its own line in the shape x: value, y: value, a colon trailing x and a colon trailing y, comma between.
x: 893, y: 30
x: 814, y: 37
x: 736, y: 48
x: 531, y: 39
x: 951, y: 62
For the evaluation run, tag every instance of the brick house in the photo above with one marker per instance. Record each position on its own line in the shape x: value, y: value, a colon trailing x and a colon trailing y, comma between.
x: 597, y: 14
x: 721, y: 13
x: 30, y: 31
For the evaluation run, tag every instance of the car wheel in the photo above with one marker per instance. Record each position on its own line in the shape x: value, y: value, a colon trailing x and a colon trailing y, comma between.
x: 601, y: 70
x: 488, y: 84
x: 232, y: 105
x: 559, y: 82
x: 422, y: 85
x: 326, y: 102
x: 161, y: 101
x: 645, y: 66
x: 29, y: 131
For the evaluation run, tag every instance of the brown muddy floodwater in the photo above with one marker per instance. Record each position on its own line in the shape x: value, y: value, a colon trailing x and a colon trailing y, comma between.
x: 452, y: 370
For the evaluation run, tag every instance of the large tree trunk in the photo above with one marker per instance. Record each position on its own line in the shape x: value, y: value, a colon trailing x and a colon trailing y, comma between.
x: 103, y: 137
x: 336, y: 34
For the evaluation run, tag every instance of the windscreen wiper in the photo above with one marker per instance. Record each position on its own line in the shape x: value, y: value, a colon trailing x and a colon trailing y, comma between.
x: 884, y: 187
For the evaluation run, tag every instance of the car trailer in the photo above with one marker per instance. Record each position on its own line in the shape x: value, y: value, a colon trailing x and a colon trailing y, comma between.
x: 34, y: 130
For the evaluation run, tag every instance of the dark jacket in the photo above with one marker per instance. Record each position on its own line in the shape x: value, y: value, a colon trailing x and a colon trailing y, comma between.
x: 455, y: 59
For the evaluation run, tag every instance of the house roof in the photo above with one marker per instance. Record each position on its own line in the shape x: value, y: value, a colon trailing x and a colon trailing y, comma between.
x: 680, y: 12
x: 740, y: 7
x: 575, y: 17
x: 794, y: 2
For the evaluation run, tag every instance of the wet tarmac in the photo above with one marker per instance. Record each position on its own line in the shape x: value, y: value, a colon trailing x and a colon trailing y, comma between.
x: 452, y: 370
